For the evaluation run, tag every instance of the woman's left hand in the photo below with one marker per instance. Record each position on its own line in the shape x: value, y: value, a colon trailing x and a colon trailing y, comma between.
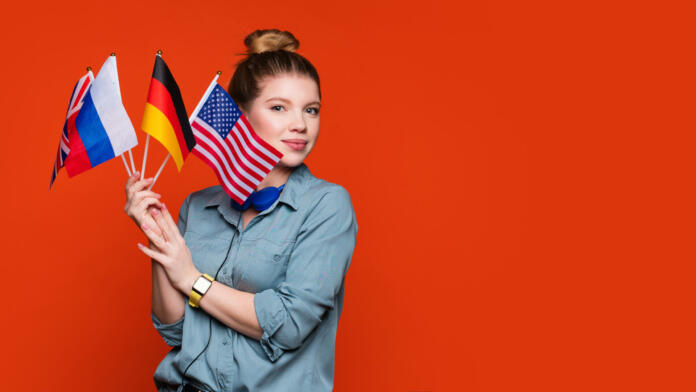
x: 174, y: 255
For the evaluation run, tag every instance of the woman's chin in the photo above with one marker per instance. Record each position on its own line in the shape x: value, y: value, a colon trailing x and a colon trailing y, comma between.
x: 291, y: 160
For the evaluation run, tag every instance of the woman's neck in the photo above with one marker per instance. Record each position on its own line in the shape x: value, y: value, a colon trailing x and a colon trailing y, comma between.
x: 276, y: 177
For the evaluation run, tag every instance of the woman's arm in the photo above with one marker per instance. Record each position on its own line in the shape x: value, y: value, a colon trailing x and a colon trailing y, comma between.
x: 232, y: 307
x: 168, y: 304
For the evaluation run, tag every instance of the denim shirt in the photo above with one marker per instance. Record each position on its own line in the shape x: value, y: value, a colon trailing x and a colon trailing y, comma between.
x: 294, y: 257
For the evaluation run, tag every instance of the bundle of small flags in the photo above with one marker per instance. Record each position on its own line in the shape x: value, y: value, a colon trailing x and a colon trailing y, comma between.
x: 97, y: 129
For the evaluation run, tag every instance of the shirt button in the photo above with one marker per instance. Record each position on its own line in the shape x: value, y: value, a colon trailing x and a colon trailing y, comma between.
x: 224, y: 342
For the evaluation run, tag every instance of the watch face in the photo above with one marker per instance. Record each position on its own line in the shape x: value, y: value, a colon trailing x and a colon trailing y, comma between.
x: 201, y: 285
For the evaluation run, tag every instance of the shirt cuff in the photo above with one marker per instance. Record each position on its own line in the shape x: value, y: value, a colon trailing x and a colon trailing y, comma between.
x: 171, y: 333
x: 271, y: 315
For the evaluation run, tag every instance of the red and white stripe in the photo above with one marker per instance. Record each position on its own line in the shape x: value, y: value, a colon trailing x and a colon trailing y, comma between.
x: 240, y: 161
x: 80, y: 91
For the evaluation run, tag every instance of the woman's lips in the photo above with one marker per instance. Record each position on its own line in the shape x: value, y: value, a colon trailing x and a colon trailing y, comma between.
x: 295, y: 145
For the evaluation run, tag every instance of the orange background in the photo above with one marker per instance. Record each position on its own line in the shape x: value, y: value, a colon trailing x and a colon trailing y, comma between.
x: 522, y: 175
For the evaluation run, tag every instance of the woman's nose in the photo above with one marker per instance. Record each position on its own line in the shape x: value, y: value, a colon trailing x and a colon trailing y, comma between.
x: 299, y: 124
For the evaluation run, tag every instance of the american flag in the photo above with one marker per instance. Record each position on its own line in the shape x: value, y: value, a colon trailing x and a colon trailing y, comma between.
x: 227, y: 143
x: 69, y: 126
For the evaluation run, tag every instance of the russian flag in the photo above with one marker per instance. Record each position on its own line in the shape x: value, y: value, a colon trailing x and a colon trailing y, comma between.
x: 103, y: 129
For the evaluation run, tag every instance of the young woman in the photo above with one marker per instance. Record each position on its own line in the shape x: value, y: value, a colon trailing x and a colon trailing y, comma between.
x: 268, y: 320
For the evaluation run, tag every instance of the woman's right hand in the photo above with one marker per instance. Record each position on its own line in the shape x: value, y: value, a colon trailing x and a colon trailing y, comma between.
x: 139, y: 200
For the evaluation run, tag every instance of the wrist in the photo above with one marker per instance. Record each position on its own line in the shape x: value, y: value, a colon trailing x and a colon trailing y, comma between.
x: 186, y: 285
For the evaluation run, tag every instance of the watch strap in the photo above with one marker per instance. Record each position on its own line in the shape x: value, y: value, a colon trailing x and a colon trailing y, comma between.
x: 195, y: 296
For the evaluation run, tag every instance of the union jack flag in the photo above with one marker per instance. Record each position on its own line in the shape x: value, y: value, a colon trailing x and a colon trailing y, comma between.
x: 69, y: 126
x: 228, y: 144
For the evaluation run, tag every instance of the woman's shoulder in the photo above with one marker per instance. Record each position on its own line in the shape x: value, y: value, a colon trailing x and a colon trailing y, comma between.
x: 322, y: 192
x: 326, y: 202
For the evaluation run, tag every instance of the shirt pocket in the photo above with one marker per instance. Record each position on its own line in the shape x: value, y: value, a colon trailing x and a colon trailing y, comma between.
x: 266, y: 266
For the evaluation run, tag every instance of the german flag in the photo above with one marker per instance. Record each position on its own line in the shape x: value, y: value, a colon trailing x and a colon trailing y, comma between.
x: 165, y: 116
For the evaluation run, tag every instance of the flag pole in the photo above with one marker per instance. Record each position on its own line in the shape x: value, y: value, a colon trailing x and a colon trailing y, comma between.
x: 159, y: 171
x: 123, y: 156
x: 147, y: 142
x: 193, y: 115
x: 131, y: 160
x: 207, y: 92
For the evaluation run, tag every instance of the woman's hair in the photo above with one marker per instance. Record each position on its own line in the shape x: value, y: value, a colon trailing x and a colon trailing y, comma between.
x: 269, y: 53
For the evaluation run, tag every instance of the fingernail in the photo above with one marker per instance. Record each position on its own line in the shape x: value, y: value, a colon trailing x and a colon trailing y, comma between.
x: 164, y: 207
x: 144, y: 226
x: 140, y: 245
x: 155, y: 211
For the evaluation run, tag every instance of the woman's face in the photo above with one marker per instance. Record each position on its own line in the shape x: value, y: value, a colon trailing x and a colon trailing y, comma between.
x: 286, y: 115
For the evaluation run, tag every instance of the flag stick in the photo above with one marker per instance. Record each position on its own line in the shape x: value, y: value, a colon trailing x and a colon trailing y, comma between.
x: 147, y: 143
x: 210, y: 88
x: 131, y: 159
x: 126, y: 165
x: 159, y: 171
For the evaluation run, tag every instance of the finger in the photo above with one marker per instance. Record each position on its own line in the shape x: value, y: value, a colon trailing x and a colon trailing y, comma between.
x: 153, y: 247
x: 143, y: 205
x: 152, y: 223
x: 141, y: 194
x: 132, y: 179
x: 157, y: 240
x: 130, y: 182
x: 140, y: 213
x: 138, y: 196
x: 159, y: 257
x: 139, y: 185
x: 163, y: 224
x: 170, y: 222
x: 147, y: 220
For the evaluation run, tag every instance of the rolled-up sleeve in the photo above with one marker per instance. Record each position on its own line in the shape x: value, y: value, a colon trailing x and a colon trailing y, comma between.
x: 318, y: 264
x: 172, y: 333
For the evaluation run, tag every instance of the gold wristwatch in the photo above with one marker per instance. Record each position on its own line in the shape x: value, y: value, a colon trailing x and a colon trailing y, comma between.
x: 200, y: 287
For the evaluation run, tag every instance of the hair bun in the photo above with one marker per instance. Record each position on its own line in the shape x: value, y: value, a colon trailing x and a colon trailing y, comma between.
x: 269, y: 40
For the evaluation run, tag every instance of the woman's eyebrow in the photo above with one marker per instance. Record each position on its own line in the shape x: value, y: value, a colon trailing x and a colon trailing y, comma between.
x: 288, y: 101
x: 278, y: 98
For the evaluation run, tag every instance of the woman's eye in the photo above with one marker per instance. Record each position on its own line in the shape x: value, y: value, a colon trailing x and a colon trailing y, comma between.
x: 277, y: 107
x: 313, y: 110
